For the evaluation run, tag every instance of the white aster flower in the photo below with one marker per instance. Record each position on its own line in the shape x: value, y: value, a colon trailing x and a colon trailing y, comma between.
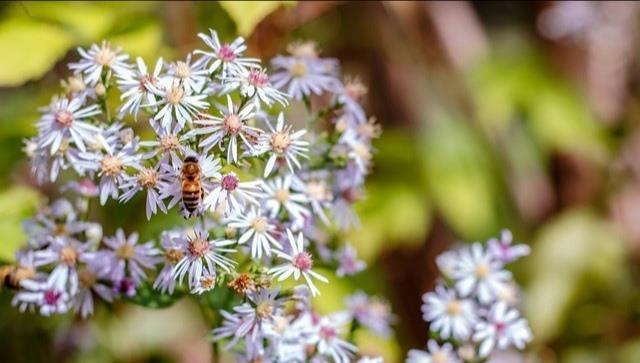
x: 477, y: 272
x: 225, y: 56
x: 283, y: 144
x: 435, y: 354
x: 191, y: 76
x: 232, y: 124
x: 135, y: 87
x: 449, y: 315
x: 254, y: 84
x: 201, y: 258
x: 233, y: 194
x: 504, y: 328
x: 299, y: 263
x: 65, y: 120
x: 49, y: 296
x: 328, y: 338
x: 97, y: 59
x: 258, y: 229
x: 279, y: 196
x: 176, y: 103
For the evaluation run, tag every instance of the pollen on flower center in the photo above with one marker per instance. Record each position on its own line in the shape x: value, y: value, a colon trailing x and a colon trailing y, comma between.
x: 148, y: 177
x: 68, y: 256
x: 454, y: 308
x: 264, y: 310
x: 64, y: 118
x: 282, y: 195
x: 198, y: 247
x: 242, y: 283
x: 232, y: 123
x: 226, y: 54
x: 126, y: 251
x: 105, y: 56
x: 183, y: 70
x: 482, y: 271
x: 174, y: 255
x: 299, y: 69
x: 207, y: 282
x: 51, y: 297
x: 111, y: 165
x: 260, y: 224
x: 229, y: 182
x: 169, y: 143
x: 280, y: 141
x: 302, y: 261
x: 87, y: 278
x: 174, y: 95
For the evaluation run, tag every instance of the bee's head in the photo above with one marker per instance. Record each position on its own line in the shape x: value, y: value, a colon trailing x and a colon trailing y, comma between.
x: 190, y: 159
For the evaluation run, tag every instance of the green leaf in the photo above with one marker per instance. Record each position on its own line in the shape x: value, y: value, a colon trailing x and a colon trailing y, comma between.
x: 87, y: 22
x: 459, y: 175
x: 247, y: 14
x: 577, y: 250
x: 144, y: 41
x: 31, y: 49
x: 16, y: 204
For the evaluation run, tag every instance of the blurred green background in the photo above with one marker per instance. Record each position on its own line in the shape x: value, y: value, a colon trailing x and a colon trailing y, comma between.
x: 522, y: 115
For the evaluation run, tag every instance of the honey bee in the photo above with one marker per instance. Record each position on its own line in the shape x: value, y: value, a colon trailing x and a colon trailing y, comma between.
x: 191, y: 185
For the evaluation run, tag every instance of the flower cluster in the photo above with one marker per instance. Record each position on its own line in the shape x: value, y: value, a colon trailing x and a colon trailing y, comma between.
x: 267, y: 330
x: 473, y: 309
x: 265, y: 192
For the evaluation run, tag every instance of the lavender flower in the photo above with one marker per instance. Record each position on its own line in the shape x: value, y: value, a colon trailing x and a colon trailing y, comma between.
x: 176, y: 103
x: 64, y: 119
x: 201, y: 257
x: 299, y: 263
x: 478, y: 272
x: 280, y: 197
x: 348, y: 263
x: 135, y: 87
x: 449, y: 315
x: 233, y: 125
x: 99, y: 59
x: 233, y: 194
x: 125, y: 258
x: 149, y: 179
x: 503, y: 329
x: 503, y: 251
x: 281, y: 143
x: 256, y: 228
x: 225, y: 56
x: 303, y: 73
x: 49, y: 296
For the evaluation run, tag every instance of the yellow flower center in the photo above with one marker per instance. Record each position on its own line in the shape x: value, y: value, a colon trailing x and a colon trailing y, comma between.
x: 175, y: 94
x: 282, y: 195
x: 183, y: 70
x: 68, y: 256
x: 280, y: 141
x: 105, y: 56
x: 259, y: 224
x: 198, y: 247
x: 454, y: 308
x: 148, y: 178
x: 264, y: 310
x: 169, y: 143
x: 111, y: 165
x: 299, y: 69
x: 174, y: 255
x: 482, y: 271
x: 126, y: 251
